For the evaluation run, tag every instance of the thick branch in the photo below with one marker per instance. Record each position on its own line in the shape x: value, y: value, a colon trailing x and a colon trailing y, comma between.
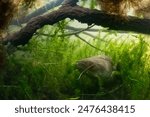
x: 83, y: 15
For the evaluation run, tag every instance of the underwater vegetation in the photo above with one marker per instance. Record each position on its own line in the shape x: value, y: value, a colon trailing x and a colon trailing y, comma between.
x: 47, y: 68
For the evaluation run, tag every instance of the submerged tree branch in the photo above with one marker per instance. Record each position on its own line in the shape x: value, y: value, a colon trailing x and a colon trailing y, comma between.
x: 83, y: 15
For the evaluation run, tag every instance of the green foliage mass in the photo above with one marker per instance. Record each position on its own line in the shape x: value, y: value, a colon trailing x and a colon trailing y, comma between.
x: 45, y: 68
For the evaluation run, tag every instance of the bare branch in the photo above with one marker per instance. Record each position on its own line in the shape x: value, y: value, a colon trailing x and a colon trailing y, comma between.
x: 89, y: 43
x: 83, y: 15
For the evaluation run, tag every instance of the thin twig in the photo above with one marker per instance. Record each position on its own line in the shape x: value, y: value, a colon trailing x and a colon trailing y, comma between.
x: 69, y: 34
x: 89, y: 43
